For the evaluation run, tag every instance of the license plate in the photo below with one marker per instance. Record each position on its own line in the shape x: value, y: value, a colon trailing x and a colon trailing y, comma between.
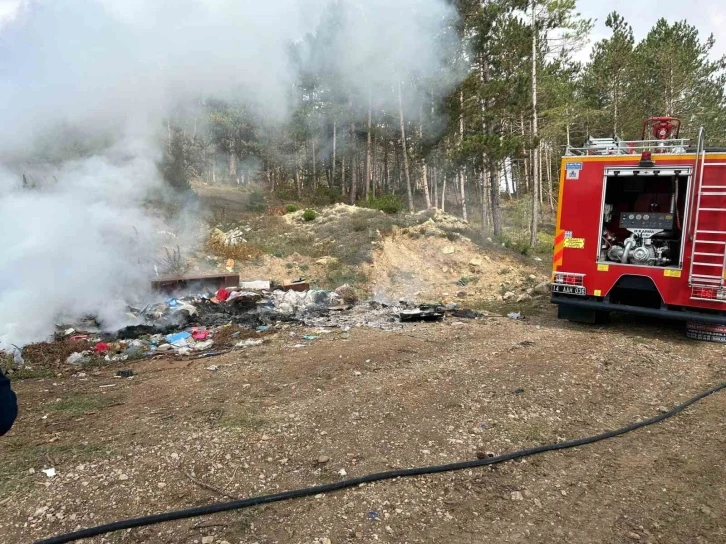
x: 569, y: 290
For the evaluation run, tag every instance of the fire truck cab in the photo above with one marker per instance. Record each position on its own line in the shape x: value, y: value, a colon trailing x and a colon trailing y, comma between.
x: 641, y: 228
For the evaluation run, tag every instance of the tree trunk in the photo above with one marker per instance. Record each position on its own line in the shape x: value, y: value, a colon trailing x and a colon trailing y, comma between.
x: 443, y: 195
x: 368, y: 146
x: 386, y: 169
x: 485, y: 130
x: 298, y: 181
x: 550, y: 188
x: 509, y: 189
x: 484, y: 200
x: 526, y: 162
x: 375, y: 179
x: 403, y: 149
x: 462, y: 171
x: 424, y: 167
x: 315, y: 173
x: 436, y: 187
x: 495, y: 201
x: 539, y: 166
x: 567, y: 127
x: 343, y: 188
x: 232, y: 165
x: 335, y: 150
x: 535, y: 159
x: 353, y: 172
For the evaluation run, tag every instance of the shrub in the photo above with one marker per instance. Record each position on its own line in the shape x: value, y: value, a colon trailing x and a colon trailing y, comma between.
x: 309, y: 215
x: 390, y: 204
x: 325, y: 196
x: 256, y: 202
x: 291, y: 208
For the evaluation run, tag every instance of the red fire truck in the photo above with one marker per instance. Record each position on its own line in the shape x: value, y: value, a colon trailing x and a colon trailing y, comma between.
x: 641, y: 228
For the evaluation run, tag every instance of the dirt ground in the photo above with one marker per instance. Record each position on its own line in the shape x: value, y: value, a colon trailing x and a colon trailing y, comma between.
x: 274, y: 417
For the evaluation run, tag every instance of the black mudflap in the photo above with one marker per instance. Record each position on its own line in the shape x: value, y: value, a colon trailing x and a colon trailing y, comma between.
x: 582, y: 315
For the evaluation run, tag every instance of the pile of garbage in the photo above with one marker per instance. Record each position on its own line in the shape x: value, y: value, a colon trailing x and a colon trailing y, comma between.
x: 196, y: 342
x: 210, y: 323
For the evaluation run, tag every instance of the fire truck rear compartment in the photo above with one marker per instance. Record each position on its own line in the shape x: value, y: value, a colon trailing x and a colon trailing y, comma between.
x: 643, y: 217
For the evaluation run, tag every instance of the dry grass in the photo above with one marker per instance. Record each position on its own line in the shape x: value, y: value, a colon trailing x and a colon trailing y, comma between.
x: 239, y: 252
x: 47, y: 354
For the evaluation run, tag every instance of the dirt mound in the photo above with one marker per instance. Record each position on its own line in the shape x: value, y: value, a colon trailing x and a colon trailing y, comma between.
x: 423, y: 264
x: 422, y: 257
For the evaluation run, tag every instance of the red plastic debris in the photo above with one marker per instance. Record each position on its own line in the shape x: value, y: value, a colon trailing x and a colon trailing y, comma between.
x: 200, y: 335
x: 222, y: 295
x: 101, y: 347
x: 79, y: 337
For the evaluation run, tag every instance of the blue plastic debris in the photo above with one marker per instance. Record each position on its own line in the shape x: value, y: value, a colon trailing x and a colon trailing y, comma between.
x: 178, y: 339
x: 310, y: 337
x: 172, y: 302
x: 373, y: 515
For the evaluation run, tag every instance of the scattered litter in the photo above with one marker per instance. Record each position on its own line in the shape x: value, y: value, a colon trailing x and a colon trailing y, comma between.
x: 423, y: 313
x: 50, y: 472
x: 107, y: 386
x: 299, y: 285
x: 258, y: 285
x: 180, y: 339
x: 18, y: 357
x: 200, y: 334
x: 213, y: 368
x: 248, y: 343
x: 515, y: 315
x: 373, y: 515
x: 101, y: 347
x: 74, y: 358
x: 212, y: 354
x: 192, y: 319
x: 201, y: 346
x: 125, y: 373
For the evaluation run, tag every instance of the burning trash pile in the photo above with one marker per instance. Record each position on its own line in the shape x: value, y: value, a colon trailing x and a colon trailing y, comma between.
x: 209, y: 323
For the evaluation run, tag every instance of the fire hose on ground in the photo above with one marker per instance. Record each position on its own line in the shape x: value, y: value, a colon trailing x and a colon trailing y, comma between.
x: 354, y: 482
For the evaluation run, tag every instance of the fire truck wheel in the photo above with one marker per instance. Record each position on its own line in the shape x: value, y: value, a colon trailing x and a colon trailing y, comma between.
x: 582, y: 315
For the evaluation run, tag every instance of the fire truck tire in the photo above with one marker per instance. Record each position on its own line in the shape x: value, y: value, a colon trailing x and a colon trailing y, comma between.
x: 706, y: 332
x: 582, y: 315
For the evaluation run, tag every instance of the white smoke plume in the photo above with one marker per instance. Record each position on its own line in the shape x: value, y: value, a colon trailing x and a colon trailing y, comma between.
x: 82, y: 242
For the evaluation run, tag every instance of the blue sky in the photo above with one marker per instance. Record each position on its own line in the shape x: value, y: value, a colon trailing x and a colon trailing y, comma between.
x: 709, y: 16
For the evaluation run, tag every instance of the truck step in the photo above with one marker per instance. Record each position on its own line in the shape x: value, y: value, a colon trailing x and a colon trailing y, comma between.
x: 707, y: 279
